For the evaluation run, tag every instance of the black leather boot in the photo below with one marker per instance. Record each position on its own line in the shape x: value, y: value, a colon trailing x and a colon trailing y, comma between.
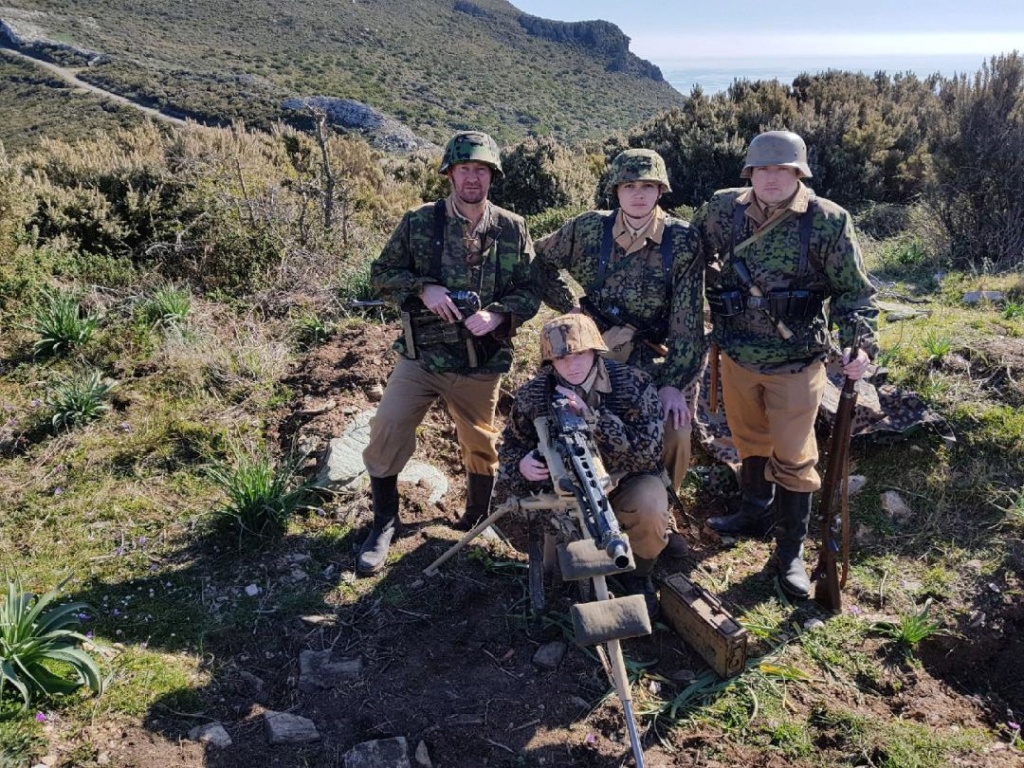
x: 639, y: 582
x: 478, y: 501
x: 374, y: 551
x: 793, y: 512
x: 754, y: 517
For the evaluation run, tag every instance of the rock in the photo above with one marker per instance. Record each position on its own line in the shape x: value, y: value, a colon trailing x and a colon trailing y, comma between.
x: 317, y: 670
x: 103, y: 758
x: 374, y: 393
x: 812, y: 624
x: 212, y: 734
x: 857, y: 483
x: 383, y: 753
x: 423, y: 756
x: 252, y: 590
x: 313, y: 408
x: 977, y: 297
x: 286, y: 728
x: 298, y: 575
x: 894, y: 506
x: 251, y: 679
x: 549, y: 655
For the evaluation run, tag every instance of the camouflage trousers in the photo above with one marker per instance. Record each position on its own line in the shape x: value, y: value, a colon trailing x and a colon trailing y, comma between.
x: 471, y: 400
x: 773, y: 415
x: 640, y: 504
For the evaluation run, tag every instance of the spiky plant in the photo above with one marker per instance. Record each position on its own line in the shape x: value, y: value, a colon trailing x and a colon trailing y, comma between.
x: 261, y: 495
x: 79, y: 399
x: 60, y: 323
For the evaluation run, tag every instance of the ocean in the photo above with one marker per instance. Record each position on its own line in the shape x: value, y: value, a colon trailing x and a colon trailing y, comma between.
x: 714, y: 75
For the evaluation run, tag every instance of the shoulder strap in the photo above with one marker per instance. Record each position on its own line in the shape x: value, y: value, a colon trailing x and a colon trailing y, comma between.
x: 806, y: 225
x: 738, y: 212
x: 666, y: 255
x: 606, y: 252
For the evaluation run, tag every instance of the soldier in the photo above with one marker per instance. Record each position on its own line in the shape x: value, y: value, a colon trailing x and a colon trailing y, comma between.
x: 783, y: 265
x: 643, y: 287
x: 441, y: 257
x: 622, y: 404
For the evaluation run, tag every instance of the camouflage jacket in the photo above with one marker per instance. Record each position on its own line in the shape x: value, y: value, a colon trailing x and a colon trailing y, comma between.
x: 628, y: 427
x: 834, y: 268
x: 502, y: 279
x: 663, y: 310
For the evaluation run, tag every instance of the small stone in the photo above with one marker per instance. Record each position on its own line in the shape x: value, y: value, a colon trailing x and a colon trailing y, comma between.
x: 298, y: 575
x: 103, y: 758
x: 374, y: 393
x: 286, y: 728
x: 252, y: 590
x: 383, y: 753
x: 857, y: 483
x: 212, y: 734
x: 812, y: 624
x: 317, y: 620
x: 579, y: 702
x: 251, y: 679
x: 318, y: 671
x: 976, y: 297
x: 549, y: 655
x: 422, y: 755
x: 894, y: 505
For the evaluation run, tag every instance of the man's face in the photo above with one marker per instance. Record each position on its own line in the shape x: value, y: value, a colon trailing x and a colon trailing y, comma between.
x: 575, y: 366
x: 774, y: 184
x: 638, y: 198
x: 470, y: 182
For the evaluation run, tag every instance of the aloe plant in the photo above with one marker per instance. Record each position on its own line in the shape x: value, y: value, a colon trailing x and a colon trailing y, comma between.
x: 38, y: 642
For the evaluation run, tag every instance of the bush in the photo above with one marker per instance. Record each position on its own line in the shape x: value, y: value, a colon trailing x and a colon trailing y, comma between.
x: 261, y: 495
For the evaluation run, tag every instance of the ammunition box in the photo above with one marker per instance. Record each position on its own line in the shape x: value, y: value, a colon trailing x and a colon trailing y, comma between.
x: 699, y: 618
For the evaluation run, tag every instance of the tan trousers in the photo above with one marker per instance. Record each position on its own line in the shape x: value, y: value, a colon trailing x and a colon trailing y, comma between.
x: 641, y: 507
x: 471, y: 400
x: 773, y: 415
x: 677, y: 452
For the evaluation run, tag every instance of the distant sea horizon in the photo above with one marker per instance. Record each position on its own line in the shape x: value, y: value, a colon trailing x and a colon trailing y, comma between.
x: 715, y: 75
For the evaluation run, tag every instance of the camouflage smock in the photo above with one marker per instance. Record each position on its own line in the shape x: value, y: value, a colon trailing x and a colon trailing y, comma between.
x: 635, y: 283
x: 834, y: 268
x: 627, y: 426
x: 502, y: 278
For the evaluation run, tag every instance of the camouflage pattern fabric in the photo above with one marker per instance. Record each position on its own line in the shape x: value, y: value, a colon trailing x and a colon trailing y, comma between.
x: 636, y: 284
x: 472, y: 146
x: 628, y: 429
x: 884, y: 413
x: 501, y: 277
x: 835, y: 268
x: 637, y: 165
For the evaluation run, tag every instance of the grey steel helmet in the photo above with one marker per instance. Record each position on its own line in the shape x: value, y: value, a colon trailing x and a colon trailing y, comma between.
x: 637, y: 165
x: 783, y: 148
x: 472, y: 146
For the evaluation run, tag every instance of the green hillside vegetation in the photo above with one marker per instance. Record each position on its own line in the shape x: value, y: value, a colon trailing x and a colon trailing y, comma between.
x: 432, y: 64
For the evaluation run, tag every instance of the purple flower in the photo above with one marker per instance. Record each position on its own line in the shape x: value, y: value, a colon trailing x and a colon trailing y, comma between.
x: 89, y: 634
x: 855, y: 610
x: 117, y: 612
x: 36, y: 402
x: 40, y: 717
x: 142, y: 541
x: 84, y: 617
x: 591, y: 738
x: 1014, y: 726
x: 58, y: 491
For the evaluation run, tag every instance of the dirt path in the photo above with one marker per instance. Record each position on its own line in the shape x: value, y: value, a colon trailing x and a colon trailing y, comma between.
x: 70, y: 77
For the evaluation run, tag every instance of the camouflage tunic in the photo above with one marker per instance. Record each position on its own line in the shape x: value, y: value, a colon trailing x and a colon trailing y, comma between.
x: 834, y: 268
x: 628, y: 427
x: 635, y: 284
x: 501, y: 278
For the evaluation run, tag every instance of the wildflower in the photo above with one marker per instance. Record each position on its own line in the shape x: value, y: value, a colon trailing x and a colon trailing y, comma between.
x: 40, y: 717
x: 58, y: 491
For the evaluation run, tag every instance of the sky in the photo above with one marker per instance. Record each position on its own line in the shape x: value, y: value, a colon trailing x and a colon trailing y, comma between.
x: 665, y: 30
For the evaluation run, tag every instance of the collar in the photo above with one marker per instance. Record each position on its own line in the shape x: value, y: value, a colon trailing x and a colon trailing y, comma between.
x: 453, y: 212
x: 761, y: 216
x: 623, y: 235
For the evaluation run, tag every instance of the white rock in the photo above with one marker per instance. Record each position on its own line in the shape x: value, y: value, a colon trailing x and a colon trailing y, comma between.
x: 423, y: 756
x: 252, y: 590
x: 212, y: 734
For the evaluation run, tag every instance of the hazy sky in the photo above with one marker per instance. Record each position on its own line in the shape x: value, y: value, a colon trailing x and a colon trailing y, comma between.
x: 709, y: 29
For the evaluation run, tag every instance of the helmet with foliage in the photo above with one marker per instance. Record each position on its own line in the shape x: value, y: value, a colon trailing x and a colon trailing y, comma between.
x: 569, y: 334
x: 637, y: 165
x: 783, y: 148
x: 472, y: 147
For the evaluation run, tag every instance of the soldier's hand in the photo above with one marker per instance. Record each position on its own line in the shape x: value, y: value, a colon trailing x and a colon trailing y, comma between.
x: 856, y: 368
x: 483, y: 322
x: 435, y: 298
x: 674, y: 407
x: 574, y: 401
x: 533, y: 469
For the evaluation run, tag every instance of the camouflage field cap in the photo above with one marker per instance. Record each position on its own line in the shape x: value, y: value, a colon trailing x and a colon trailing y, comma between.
x: 637, y: 165
x: 472, y: 146
x: 568, y: 334
x: 783, y: 148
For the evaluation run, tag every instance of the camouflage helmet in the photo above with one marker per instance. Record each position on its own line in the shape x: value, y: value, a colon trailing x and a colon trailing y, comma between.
x: 472, y: 147
x: 568, y: 334
x: 783, y: 148
x: 637, y: 165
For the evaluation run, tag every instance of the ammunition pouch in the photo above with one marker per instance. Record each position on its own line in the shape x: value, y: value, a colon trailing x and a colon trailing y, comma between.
x: 789, y: 305
x: 423, y: 329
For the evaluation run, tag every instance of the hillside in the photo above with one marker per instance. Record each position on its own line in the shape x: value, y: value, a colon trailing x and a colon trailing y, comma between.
x: 434, y: 65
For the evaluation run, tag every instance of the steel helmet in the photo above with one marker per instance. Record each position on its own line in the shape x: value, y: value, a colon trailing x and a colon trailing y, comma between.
x: 568, y: 334
x: 637, y: 165
x: 783, y: 148
x: 472, y: 146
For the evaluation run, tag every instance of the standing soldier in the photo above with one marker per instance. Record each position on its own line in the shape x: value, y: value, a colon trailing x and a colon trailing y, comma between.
x: 783, y: 265
x: 643, y: 284
x: 459, y: 269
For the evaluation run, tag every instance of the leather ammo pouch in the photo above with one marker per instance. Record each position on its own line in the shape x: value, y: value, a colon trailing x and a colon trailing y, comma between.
x: 428, y: 330
x: 619, y: 340
x: 783, y: 304
x: 727, y: 303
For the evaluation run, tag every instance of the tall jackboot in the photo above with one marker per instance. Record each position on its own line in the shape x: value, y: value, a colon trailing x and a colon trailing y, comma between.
x: 793, y: 511
x: 639, y: 582
x: 478, y: 500
x: 754, y: 517
x: 374, y: 551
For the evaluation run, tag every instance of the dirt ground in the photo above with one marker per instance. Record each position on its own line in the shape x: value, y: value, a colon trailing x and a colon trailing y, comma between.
x: 447, y: 661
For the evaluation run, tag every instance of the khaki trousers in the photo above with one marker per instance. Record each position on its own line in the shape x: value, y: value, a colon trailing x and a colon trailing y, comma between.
x: 677, y: 452
x: 773, y: 415
x: 471, y: 400
x: 641, y: 507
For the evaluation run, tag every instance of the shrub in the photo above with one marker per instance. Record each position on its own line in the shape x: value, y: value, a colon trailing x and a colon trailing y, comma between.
x: 168, y: 306
x: 36, y: 640
x: 60, y: 323
x: 261, y: 496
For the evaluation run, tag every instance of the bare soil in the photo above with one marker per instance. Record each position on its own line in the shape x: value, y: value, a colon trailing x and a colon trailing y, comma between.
x: 447, y: 661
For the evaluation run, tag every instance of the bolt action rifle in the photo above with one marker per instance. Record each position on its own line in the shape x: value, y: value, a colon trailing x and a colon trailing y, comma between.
x: 835, y: 493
